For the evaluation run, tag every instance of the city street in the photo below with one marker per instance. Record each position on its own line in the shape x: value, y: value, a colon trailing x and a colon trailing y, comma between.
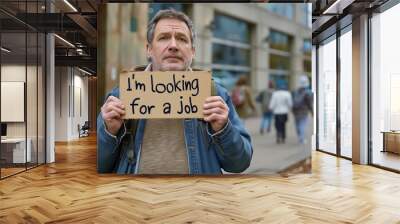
x: 270, y: 157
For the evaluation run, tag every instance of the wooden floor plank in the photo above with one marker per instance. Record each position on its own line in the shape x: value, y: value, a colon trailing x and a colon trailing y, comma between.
x: 70, y: 191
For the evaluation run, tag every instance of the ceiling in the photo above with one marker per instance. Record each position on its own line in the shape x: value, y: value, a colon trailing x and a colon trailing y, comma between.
x: 330, y: 15
x: 73, y: 20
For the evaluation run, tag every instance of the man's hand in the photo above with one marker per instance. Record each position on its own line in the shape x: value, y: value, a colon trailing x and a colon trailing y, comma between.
x: 112, y: 112
x: 216, y: 112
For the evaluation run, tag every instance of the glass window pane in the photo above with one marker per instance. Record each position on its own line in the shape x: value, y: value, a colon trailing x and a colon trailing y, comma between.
x: 346, y: 94
x: 307, y: 65
x: 228, y: 55
x: 22, y: 73
x: 31, y: 98
x: 13, y: 84
x: 279, y: 41
x: 385, y: 86
x: 279, y: 62
x: 229, y: 28
x: 327, y: 97
x: 155, y: 7
x: 307, y: 47
x: 307, y: 14
x: 283, y: 9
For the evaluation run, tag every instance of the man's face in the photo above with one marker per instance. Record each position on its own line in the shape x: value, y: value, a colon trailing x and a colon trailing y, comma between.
x: 171, y: 48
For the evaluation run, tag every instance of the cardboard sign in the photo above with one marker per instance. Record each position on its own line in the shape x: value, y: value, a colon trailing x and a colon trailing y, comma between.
x: 164, y: 94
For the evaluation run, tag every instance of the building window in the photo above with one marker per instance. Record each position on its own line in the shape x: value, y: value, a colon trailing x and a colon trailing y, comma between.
x: 307, y: 66
x: 307, y: 49
x: 279, y: 41
x: 327, y: 96
x: 232, y: 29
x: 307, y: 14
x: 385, y: 89
x: 230, y: 50
x: 279, y: 62
x: 155, y: 7
x: 229, y: 55
x: 346, y: 94
x: 279, y: 57
x: 283, y: 9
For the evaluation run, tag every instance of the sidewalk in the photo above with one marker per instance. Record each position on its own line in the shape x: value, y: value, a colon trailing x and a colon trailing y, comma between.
x: 269, y: 157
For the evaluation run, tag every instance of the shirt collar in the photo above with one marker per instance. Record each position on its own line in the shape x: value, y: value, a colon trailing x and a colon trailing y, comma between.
x: 149, y: 68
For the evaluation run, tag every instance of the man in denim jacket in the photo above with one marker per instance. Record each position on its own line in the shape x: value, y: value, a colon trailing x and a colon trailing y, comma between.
x: 172, y: 146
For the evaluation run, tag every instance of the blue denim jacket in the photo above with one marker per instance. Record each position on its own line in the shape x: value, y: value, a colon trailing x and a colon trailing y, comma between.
x: 208, y: 152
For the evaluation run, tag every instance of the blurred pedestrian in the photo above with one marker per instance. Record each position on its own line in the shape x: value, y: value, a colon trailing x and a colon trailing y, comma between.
x: 242, y: 98
x: 302, y: 106
x: 281, y: 104
x: 264, y: 98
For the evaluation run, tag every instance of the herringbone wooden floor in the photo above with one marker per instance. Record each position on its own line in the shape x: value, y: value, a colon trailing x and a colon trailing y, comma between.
x: 70, y: 191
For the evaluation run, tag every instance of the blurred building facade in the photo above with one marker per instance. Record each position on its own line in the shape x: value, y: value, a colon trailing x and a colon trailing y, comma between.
x: 262, y: 41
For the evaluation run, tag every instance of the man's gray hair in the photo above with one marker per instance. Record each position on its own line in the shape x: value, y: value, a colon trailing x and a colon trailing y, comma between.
x: 170, y: 14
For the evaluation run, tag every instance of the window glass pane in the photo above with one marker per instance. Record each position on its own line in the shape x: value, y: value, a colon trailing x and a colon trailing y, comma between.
x: 385, y: 86
x: 228, y: 55
x: 31, y: 98
x: 307, y: 47
x: 22, y: 77
x: 307, y: 65
x: 155, y: 7
x: 346, y: 94
x: 228, y: 50
x: 283, y: 9
x: 229, y: 28
x: 307, y: 14
x: 13, y: 84
x: 279, y: 41
x: 327, y: 97
x: 279, y: 62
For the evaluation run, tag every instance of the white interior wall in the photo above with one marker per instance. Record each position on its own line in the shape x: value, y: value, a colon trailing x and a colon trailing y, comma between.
x: 61, y: 103
x: 70, y: 84
x: 80, y: 96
